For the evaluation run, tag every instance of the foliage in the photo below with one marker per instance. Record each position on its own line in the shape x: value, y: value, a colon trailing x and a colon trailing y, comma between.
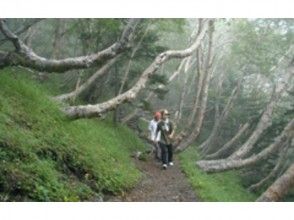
x: 46, y: 157
x: 218, y: 187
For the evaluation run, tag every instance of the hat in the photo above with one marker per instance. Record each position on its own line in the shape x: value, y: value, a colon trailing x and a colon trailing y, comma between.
x: 164, y: 111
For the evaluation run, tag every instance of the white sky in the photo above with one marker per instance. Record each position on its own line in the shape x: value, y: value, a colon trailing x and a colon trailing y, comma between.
x: 147, y: 8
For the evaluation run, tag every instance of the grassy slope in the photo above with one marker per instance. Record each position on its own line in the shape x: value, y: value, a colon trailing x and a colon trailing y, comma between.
x: 218, y: 187
x: 46, y: 157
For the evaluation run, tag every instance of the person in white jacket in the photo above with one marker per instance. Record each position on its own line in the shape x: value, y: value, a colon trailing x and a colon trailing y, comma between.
x: 153, y: 137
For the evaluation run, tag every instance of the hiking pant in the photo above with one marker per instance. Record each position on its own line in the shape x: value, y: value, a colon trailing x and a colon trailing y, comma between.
x: 166, y: 153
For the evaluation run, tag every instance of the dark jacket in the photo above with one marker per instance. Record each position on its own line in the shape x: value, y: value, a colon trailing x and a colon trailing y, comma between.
x: 165, y: 128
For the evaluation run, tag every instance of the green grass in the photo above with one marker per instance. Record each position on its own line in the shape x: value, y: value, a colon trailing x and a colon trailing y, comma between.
x: 46, y: 157
x: 217, y: 187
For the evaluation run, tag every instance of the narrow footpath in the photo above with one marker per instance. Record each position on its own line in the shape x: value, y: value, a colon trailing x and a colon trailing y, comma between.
x: 158, y: 185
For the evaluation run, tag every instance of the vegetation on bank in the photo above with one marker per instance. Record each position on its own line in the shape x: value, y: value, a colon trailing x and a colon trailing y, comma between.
x: 46, y: 157
x: 216, y: 187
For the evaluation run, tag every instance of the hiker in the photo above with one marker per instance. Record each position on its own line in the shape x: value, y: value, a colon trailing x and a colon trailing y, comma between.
x: 155, y: 138
x: 166, y: 130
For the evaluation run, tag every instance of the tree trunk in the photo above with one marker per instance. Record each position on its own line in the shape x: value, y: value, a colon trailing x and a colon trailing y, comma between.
x: 279, y: 188
x: 266, y: 118
x: 198, y: 85
x: 274, y: 171
x: 128, y: 117
x: 203, y: 96
x: 228, y: 164
x: 182, y: 99
x: 102, y: 71
x: 152, y: 94
x: 198, y: 80
x: 24, y: 29
x: 26, y: 57
x: 116, y: 92
x: 134, y: 51
x: 183, y: 64
x: 213, y: 134
x: 83, y: 111
x: 229, y: 145
x: 206, y: 146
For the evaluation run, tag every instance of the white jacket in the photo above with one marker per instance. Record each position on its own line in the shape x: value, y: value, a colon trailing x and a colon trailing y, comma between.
x: 152, y: 128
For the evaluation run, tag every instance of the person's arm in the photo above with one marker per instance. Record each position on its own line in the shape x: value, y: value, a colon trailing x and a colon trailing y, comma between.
x: 152, y: 131
x: 171, y: 135
x: 150, y: 126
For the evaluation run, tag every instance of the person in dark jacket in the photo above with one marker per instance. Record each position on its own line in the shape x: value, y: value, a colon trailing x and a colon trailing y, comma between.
x: 166, y: 129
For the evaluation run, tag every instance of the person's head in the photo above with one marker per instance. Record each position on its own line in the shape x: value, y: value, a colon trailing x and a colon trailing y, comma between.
x: 157, y: 116
x: 164, y: 114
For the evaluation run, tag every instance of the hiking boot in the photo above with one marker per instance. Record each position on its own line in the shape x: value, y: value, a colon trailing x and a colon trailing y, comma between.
x: 171, y: 164
x: 164, y: 166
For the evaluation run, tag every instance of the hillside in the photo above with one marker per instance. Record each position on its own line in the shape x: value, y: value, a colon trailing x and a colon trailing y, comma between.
x: 46, y: 157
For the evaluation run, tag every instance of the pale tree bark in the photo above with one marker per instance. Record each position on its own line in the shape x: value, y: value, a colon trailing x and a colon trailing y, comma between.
x: 151, y: 94
x: 82, y: 111
x: 279, y: 188
x: 182, y: 98
x: 274, y: 172
x: 207, y: 145
x: 228, y: 164
x: 183, y: 63
x: 131, y: 115
x: 181, y: 66
x: 203, y: 96
x: 128, y: 68
x: 262, y: 125
x: 133, y: 53
x: 219, y: 86
x: 229, y: 145
x: 266, y: 118
x: 199, y: 80
x: 198, y: 85
x: 81, y: 88
x: 26, y: 57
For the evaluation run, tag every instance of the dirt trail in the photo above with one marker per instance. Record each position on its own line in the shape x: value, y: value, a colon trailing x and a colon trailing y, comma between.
x: 159, y: 185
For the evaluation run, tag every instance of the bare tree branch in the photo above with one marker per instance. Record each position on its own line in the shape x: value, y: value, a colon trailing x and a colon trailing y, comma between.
x: 202, y: 96
x: 279, y: 188
x: 25, y: 56
x: 24, y: 28
x: 229, y: 144
x: 98, y: 109
x: 266, y: 118
x: 102, y: 71
x: 274, y: 172
x: 227, y: 164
